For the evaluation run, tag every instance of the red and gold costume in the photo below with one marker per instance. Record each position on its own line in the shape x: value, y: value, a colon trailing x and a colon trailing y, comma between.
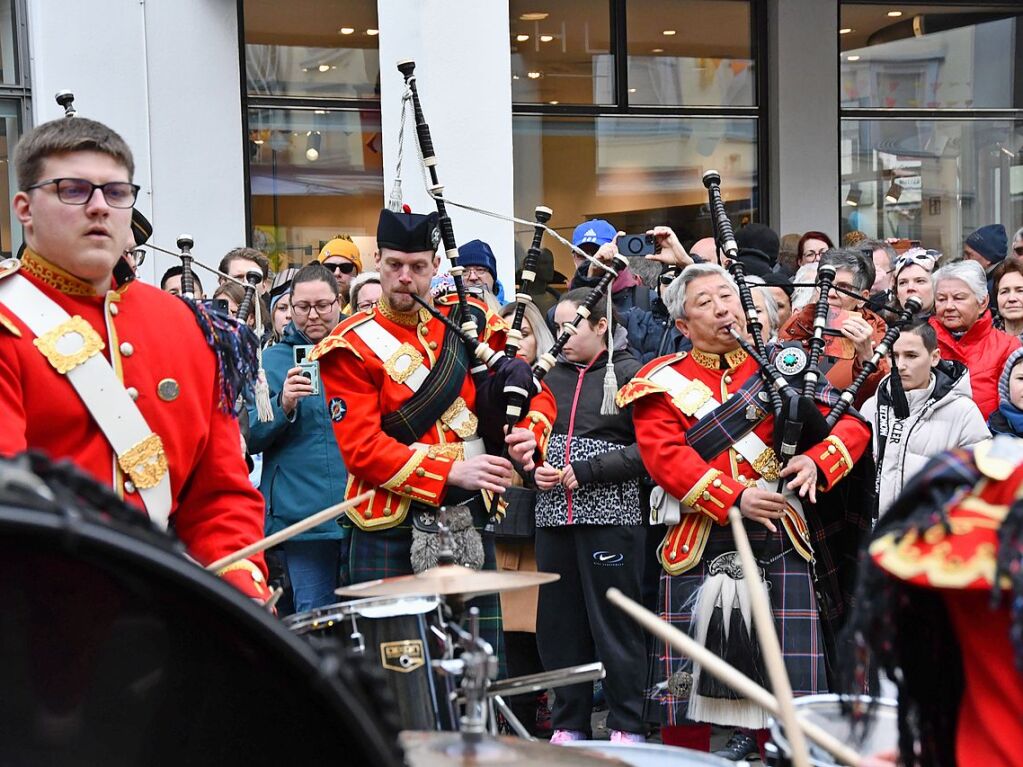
x: 709, y: 489
x: 370, y: 387
x: 158, y: 351
x: 959, y: 562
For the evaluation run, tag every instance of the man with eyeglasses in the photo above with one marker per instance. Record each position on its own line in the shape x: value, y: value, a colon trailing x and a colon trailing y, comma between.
x: 87, y: 372
x: 408, y: 417
x: 341, y: 256
x: 302, y: 467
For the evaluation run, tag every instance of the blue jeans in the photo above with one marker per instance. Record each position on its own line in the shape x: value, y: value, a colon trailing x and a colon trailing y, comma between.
x: 315, y: 569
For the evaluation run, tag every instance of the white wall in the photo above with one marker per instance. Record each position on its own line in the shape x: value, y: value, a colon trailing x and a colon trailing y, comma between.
x: 464, y: 83
x: 164, y: 74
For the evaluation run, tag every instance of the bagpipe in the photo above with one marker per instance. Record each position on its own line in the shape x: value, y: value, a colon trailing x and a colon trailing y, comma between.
x: 509, y: 380
x: 792, y: 375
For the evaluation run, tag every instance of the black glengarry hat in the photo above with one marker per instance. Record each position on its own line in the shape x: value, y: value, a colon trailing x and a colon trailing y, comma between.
x: 408, y: 232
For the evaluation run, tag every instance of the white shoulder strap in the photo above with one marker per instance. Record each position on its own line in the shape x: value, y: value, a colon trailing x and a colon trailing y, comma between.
x: 74, y: 349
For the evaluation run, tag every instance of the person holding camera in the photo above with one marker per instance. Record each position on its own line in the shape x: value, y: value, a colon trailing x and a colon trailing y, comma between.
x: 302, y: 467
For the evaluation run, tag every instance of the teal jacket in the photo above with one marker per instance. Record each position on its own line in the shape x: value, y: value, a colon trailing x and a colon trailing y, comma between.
x: 302, y: 467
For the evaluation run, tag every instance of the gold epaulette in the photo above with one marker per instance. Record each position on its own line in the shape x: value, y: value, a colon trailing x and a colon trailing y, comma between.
x: 998, y: 458
x: 8, y: 267
x: 337, y: 340
x: 641, y: 385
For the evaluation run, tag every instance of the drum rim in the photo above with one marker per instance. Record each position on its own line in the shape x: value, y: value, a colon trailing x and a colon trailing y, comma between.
x: 237, y: 610
x: 303, y: 622
x: 774, y: 725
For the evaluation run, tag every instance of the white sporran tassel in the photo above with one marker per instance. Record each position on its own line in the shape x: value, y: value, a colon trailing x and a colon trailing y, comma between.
x: 607, y: 405
x: 261, y: 389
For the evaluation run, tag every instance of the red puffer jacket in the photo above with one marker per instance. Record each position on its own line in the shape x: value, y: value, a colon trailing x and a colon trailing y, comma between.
x: 983, y: 349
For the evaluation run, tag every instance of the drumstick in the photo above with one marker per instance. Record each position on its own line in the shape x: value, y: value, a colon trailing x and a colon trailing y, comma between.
x: 291, y: 531
x: 763, y: 619
x: 728, y: 674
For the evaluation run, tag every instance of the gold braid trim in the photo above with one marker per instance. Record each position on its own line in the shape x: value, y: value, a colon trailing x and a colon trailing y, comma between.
x: 397, y: 482
x: 34, y: 264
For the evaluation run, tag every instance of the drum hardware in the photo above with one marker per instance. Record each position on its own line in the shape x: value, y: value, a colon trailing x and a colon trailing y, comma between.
x: 448, y: 581
x: 448, y: 749
x: 727, y: 673
x: 876, y: 731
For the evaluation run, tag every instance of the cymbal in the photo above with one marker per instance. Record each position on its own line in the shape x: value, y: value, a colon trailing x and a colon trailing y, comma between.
x: 448, y: 580
x: 448, y: 749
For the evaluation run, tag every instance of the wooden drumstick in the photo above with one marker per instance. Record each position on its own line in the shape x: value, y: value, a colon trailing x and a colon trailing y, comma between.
x: 291, y: 531
x: 763, y: 619
x: 729, y: 675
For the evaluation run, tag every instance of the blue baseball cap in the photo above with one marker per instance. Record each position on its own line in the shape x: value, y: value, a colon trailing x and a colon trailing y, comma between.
x: 598, y: 231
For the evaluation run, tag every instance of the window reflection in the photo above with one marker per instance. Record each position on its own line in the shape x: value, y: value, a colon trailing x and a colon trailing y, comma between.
x: 931, y: 180
x: 562, y: 54
x: 315, y: 48
x: 313, y: 174
x: 931, y: 57
x: 690, y: 53
x: 634, y: 171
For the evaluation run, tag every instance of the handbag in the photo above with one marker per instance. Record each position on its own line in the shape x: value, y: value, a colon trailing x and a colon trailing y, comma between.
x: 519, y: 520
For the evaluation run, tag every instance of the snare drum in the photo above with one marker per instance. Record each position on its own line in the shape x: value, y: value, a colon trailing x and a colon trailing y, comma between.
x: 651, y: 754
x: 402, y: 635
x: 879, y: 731
x: 117, y: 649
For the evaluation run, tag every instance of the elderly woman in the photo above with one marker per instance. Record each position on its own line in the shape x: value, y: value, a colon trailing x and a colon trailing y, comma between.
x: 1007, y: 287
x: 767, y: 309
x: 913, y: 278
x: 966, y: 332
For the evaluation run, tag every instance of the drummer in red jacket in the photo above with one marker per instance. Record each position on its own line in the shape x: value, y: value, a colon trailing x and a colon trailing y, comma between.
x: 86, y: 370
x: 965, y: 330
x: 940, y: 608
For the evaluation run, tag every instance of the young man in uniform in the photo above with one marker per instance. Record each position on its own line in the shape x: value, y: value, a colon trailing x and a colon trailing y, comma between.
x: 409, y: 433
x: 704, y: 427
x: 86, y: 373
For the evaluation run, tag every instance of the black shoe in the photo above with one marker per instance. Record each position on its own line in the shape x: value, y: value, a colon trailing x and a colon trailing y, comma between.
x: 740, y: 746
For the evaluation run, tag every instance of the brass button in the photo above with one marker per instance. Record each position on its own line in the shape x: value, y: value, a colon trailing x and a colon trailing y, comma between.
x: 432, y: 344
x: 409, y: 488
x: 728, y: 379
x: 133, y: 392
x: 706, y: 495
x: 445, y: 427
x: 741, y: 477
x: 129, y: 486
x: 832, y: 449
x: 113, y: 310
x: 420, y: 472
x: 168, y: 389
x: 739, y: 458
x: 367, y: 514
x: 127, y: 349
x: 685, y: 548
x: 257, y: 576
x: 534, y: 418
x: 387, y: 511
x: 716, y: 483
x: 423, y: 330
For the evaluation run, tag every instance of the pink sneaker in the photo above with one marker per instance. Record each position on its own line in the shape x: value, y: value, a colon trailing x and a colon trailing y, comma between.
x: 565, y: 736
x: 618, y: 736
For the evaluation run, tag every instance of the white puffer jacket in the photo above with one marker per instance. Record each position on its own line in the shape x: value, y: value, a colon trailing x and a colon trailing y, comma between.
x: 942, y: 416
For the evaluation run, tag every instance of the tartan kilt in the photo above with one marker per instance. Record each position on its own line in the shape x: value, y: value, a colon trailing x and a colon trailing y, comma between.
x: 387, y: 553
x: 795, y: 618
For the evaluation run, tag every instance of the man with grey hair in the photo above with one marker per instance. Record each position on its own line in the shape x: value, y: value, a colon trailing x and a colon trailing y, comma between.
x: 882, y: 255
x: 966, y: 332
x: 704, y: 427
x: 853, y: 330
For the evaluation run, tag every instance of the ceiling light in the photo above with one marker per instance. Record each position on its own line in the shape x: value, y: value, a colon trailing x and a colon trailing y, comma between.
x: 854, y: 196
x: 894, y: 14
x: 533, y: 16
x: 546, y: 38
x: 657, y: 50
x: 324, y: 67
x: 632, y: 90
x: 669, y: 32
x: 372, y: 32
x: 320, y: 112
x: 845, y: 30
x: 515, y: 77
x: 258, y: 141
x: 534, y: 75
x: 854, y: 58
x: 554, y: 102
x: 312, y: 146
x: 894, y: 192
x: 345, y: 31
x: 522, y: 38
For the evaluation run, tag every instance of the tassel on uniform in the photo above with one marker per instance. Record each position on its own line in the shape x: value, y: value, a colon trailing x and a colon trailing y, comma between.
x: 261, y: 389
x: 608, y: 406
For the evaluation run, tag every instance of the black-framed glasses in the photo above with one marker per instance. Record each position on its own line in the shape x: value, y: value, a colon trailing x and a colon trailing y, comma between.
x: 345, y: 267
x: 302, y: 308
x: 138, y: 254
x: 78, y: 191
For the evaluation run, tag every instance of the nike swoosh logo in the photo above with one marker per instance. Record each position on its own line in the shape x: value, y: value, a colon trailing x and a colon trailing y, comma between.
x: 606, y: 557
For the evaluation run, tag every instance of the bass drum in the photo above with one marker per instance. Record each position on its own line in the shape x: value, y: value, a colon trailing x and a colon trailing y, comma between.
x: 116, y: 649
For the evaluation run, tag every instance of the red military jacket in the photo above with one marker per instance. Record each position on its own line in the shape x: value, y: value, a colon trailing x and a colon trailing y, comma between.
x: 962, y: 563
x: 361, y: 388
x: 708, y: 489
x: 158, y: 351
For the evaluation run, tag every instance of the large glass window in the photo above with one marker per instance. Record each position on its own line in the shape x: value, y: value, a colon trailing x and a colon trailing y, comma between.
x: 621, y: 105
x: 932, y: 120
x: 636, y: 172
x: 690, y: 52
x: 313, y: 121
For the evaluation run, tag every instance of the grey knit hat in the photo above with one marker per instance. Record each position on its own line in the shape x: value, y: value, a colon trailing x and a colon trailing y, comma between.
x: 1003, y: 380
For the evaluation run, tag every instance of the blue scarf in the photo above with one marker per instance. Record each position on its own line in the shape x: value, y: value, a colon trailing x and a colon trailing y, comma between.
x: 1013, y: 415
